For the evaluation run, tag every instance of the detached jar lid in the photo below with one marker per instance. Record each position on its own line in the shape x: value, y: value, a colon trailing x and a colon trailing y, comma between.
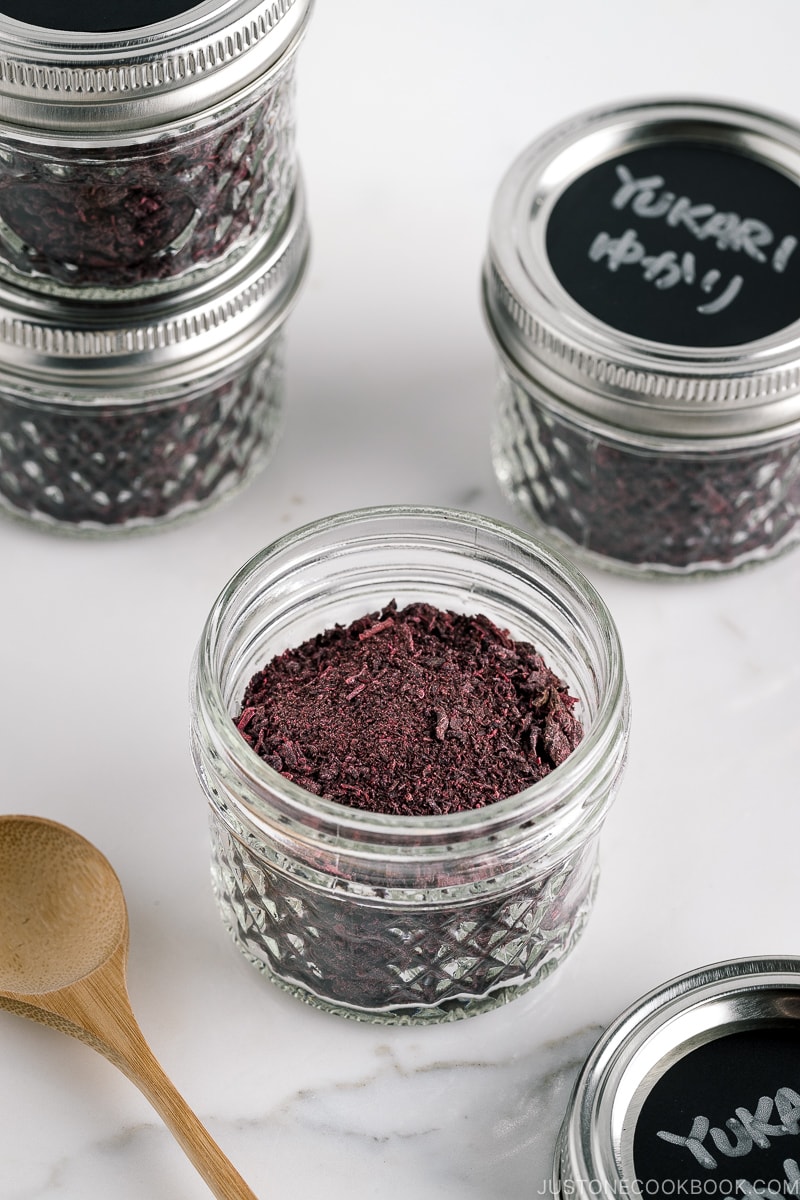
x: 694, y: 1092
x: 86, y: 348
x: 132, y: 64
x: 644, y: 265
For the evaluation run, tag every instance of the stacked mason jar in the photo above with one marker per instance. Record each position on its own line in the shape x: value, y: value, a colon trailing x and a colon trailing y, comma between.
x: 152, y: 242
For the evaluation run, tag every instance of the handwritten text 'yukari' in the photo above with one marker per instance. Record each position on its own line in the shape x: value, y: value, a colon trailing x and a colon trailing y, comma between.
x: 745, y: 1130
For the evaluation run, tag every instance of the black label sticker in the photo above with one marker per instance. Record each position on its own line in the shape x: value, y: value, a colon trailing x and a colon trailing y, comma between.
x: 94, y: 16
x: 724, y: 1121
x: 683, y: 244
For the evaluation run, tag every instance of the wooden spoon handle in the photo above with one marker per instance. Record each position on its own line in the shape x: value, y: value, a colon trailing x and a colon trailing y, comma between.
x: 98, y: 1011
x: 219, y: 1173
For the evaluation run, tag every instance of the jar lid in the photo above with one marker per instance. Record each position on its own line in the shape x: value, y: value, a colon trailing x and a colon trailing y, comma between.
x: 644, y: 266
x: 78, y: 344
x: 694, y: 1091
x: 185, y: 59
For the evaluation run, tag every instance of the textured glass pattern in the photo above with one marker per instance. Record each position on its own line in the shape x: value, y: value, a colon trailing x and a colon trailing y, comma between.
x: 422, y: 961
x: 114, y: 465
x: 145, y: 216
x: 646, y: 509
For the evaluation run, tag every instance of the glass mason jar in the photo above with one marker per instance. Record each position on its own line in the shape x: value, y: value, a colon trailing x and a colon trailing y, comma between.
x: 398, y: 918
x: 138, y: 157
x: 642, y: 287
x: 128, y: 417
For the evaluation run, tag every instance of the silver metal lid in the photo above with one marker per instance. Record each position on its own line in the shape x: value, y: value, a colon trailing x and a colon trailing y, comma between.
x: 673, y: 306
x: 76, y: 345
x: 694, y: 1091
x: 55, y: 80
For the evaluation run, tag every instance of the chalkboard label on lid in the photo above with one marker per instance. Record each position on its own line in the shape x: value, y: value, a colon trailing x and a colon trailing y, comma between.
x: 681, y: 243
x: 94, y: 16
x: 724, y: 1121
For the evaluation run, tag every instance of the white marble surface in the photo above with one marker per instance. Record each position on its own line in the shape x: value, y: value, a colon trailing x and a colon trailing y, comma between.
x: 409, y: 114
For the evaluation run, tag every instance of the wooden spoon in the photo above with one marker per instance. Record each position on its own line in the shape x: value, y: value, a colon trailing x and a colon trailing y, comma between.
x: 63, y: 956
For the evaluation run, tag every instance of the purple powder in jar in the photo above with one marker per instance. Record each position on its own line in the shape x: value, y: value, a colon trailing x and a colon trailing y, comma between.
x: 414, y: 712
x: 131, y: 216
x: 376, y: 959
x: 127, y: 465
x: 681, y: 510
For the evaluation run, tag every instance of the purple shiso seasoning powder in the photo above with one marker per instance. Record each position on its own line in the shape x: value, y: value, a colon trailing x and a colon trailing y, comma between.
x: 411, y: 713
x: 152, y: 155
x: 415, y: 713
x: 643, y: 291
x: 127, y: 416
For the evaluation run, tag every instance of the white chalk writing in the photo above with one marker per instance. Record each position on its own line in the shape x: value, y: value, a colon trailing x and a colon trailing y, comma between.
x: 694, y: 1142
x: 748, y: 1130
x: 728, y: 230
x: 649, y: 199
x: 665, y: 270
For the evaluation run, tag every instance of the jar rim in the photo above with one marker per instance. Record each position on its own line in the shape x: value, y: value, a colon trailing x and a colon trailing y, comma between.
x: 63, y: 81
x: 537, y: 804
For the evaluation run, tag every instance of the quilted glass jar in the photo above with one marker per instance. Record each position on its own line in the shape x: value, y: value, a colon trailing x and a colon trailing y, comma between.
x: 151, y: 144
x: 397, y: 918
x: 642, y: 288
x: 125, y: 417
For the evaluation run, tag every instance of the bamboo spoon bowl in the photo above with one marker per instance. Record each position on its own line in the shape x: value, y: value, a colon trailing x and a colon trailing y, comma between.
x: 63, y: 960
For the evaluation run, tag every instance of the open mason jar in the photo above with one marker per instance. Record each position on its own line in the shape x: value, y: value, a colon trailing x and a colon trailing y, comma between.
x: 132, y: 415
x: 150, y: 142
x: 642, y: 287
x: 399, y: 918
